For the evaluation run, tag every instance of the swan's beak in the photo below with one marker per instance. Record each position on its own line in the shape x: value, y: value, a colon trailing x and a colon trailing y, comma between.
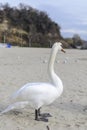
x: 63, y: 50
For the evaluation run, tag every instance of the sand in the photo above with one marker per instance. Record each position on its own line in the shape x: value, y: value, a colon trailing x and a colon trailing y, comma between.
x: 19, y: 66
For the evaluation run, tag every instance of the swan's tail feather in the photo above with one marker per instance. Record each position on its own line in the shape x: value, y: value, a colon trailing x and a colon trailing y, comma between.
x: 9, y: 108
x: 16, y: 105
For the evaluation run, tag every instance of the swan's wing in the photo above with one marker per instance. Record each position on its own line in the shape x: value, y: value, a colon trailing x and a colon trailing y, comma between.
x: 32, y: 91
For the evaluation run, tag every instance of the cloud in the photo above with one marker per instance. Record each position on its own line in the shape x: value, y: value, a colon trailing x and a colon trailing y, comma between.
x: 70, y: 33
x: 74, y: 31
x: 83, y: 22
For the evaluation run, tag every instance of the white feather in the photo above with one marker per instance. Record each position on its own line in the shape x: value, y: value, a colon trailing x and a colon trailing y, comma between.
x: 39, y: 94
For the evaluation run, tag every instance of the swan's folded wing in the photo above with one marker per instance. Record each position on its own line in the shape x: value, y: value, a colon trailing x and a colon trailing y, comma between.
x: 33, y: 91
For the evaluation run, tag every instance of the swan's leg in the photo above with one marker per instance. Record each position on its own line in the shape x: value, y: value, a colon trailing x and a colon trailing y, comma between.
x: 16, y: 105
x: 48, y: 127
x: 39, y: 112
x: 36, y: 114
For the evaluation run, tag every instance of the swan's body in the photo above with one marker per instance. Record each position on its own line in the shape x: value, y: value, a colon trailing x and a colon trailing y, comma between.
x: 39, y: 94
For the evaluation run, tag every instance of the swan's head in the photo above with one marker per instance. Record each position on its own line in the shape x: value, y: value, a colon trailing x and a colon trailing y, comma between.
x: 58, y: 46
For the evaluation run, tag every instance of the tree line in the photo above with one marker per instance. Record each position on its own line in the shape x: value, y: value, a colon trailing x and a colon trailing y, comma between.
x: 26, y: 26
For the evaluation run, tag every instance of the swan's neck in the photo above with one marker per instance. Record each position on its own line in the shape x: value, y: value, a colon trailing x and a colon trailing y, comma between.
x: 55, y: 80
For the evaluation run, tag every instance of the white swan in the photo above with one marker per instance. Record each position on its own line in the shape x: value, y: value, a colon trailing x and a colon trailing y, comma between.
x: 39, y: 94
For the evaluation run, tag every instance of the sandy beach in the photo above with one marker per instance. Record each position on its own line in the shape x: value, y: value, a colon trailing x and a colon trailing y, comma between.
x: 19, y: 66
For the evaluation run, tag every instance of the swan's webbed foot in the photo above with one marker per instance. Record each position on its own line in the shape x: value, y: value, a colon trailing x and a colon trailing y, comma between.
x: 43, y: 114
x: 46, y: 115
x: 42, y: 119
x: 38, y: 114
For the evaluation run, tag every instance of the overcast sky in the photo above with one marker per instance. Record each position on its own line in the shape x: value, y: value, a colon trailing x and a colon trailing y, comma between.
x: 71, y: 15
